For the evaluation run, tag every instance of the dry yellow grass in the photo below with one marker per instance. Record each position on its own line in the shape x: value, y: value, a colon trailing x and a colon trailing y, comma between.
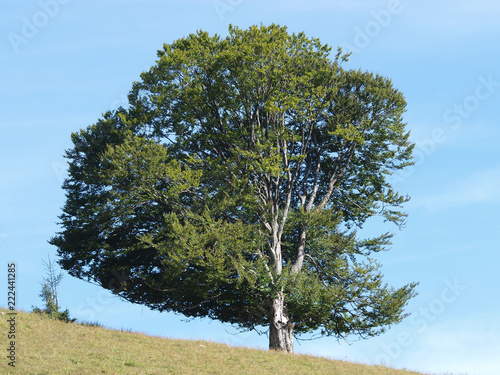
x: 46, y: 346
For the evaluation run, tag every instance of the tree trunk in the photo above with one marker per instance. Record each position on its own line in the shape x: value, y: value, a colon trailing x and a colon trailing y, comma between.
x: 281, y: 328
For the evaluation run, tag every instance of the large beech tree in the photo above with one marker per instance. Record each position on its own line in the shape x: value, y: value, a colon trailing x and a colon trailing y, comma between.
x: 233, y: 185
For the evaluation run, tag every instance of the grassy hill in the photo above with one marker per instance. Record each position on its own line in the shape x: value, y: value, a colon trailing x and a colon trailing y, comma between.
x: 46, y: 346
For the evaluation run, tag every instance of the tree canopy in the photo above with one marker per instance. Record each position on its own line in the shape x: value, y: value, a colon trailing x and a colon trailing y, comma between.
x: 234, y: 184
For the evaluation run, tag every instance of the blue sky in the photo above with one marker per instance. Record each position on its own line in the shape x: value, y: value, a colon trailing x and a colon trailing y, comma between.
x: 65, y: 62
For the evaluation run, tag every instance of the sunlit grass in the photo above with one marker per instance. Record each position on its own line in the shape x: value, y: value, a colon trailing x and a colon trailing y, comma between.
x: 46, y: 346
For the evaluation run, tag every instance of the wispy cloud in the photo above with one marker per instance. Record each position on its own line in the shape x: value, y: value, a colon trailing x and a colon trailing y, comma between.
x: 480, y: 188
x: 348, y: 5
x: 457, y: 17
x: 478, y: 136
x: 460, y: 347
x: 478, y: 7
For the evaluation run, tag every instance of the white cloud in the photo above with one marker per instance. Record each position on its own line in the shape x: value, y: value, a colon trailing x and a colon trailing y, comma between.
x: 478, y: 7
x: 475, y: 136
x: 467, y: 346
x: 456, y: 17
x: 480, y: 188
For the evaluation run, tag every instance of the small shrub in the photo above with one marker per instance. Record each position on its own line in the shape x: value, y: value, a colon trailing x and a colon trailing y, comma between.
x: 49, y: 295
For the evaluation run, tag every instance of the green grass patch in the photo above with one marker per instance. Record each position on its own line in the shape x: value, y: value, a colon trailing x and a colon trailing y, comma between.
x: 48, y: 346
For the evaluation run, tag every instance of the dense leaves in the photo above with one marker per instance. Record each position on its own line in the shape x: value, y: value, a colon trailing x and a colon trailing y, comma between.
x: 237, y: 177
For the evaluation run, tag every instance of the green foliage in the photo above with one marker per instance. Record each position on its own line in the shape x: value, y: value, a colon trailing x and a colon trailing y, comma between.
x: 239, y: 173
x: 49, y: 294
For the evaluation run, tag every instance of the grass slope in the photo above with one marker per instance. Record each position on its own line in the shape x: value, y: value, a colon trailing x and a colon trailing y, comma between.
x: 46, y: 346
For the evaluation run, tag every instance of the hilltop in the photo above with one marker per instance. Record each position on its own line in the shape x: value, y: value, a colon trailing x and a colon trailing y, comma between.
x: 46, y: 346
